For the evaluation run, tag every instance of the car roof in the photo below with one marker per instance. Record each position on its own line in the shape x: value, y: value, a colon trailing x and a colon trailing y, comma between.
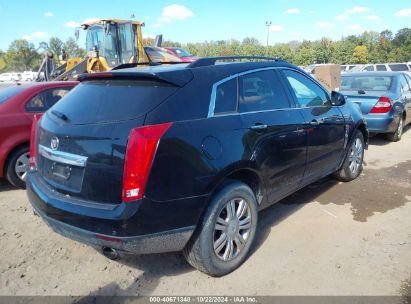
x: 217, y: 71
x: 372, y: 73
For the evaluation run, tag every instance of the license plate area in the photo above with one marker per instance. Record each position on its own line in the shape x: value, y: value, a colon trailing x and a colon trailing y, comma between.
x: 63, y: 176
x: 62, y: 170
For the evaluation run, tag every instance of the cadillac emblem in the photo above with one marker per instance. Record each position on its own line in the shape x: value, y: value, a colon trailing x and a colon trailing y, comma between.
x: 54, y: 143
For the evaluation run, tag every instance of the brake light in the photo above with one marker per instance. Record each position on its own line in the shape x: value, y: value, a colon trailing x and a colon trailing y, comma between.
x: 141, y: 148
x: 32, y: 160
x: 383, y: 105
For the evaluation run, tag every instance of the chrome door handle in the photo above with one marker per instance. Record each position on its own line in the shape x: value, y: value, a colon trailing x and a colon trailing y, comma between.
x: 259, y: 127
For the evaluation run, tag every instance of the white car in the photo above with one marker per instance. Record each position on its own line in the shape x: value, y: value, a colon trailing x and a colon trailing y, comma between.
x: 10, y: 77
x: 392, y: 67
x: 28, y: 76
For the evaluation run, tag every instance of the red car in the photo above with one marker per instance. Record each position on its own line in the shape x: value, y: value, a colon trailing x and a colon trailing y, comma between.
x: 184, y: 55
x: 18, y: 105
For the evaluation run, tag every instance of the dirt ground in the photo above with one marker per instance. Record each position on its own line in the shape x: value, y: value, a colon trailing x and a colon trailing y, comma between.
x: 330, y: 238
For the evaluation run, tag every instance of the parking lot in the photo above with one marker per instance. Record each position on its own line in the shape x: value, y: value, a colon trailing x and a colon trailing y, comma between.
x: 330, y: 238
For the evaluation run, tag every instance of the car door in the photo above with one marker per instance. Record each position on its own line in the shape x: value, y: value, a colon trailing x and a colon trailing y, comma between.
x: 406, y: 95
x: 274, y: 137
x: 325, y: 125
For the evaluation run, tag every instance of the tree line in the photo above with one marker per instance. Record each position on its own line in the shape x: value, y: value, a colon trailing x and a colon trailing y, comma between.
x: 368, y: 47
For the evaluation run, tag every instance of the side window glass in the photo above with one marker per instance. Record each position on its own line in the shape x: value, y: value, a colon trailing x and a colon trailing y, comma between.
x: 36, y: 103
x: 261, y: 91
x: 226, y: 97
x: 381, y: 67
x: 404, y: 84
x: 409, y: 81
x: 369, y: 68
x: 307, y: 92
x: 46, y: 99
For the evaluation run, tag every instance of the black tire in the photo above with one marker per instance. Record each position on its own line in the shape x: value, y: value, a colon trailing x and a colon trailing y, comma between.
x: 347, y: 173
x: 396, y: 136
x: 200, y: 252
x: 11, y: 174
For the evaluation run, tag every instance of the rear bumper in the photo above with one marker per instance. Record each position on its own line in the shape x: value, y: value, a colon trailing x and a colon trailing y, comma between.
x: 167, y: 241
x: 381, y: 123
x: 140, y: 227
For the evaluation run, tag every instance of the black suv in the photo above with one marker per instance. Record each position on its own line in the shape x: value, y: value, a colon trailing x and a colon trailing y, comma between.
x: 182, y: 157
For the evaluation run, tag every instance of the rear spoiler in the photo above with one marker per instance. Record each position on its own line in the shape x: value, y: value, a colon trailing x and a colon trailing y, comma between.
x: 177, y: 78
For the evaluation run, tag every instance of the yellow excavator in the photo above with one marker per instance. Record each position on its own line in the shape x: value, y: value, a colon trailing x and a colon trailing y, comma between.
x: 109, y: 43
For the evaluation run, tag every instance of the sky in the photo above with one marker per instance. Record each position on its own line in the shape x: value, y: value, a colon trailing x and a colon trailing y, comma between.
x: 205, y: 20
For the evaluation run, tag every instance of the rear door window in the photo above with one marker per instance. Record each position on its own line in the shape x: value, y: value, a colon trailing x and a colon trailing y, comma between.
x: 108, y: 100
x: 46, y: 99
x: 261, y: 91
x: 306, y: 91
x: 381, y: 67
x: 369, y: 68
x: 398, y: 67
x: 226, y: 97
x: 405, y: 87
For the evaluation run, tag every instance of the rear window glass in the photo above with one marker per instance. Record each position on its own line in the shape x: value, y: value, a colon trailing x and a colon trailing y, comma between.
x: 367, y: 83
x: 226, y: 97
x: 111, y: 100
x: 7, y: 93
x: 398, y: 67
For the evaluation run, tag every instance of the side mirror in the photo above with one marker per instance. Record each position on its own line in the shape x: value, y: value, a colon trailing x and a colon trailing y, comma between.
x: 77, y: 33
x: 337, y: 99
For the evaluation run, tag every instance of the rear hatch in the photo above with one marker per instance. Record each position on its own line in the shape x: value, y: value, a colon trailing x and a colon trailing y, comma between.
x: 82, y: 140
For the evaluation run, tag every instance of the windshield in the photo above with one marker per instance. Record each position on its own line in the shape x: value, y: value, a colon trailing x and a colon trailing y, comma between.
x: 182, y: 53
x: 9, y: 92
x: 106, y: 45
x: 94, y: 38
x: 366, y: 83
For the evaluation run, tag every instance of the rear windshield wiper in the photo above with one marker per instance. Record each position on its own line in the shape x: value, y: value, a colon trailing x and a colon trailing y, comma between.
x: 60, y: 115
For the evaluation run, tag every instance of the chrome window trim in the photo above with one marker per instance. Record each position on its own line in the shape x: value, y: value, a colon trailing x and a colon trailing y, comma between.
x: 215, y: 85
x: 63, y: 157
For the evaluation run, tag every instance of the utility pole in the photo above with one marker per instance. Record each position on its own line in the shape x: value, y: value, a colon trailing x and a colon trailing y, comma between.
x: 268, y: 24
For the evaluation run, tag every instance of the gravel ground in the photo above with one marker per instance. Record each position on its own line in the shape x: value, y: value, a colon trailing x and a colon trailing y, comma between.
x: 330, y: 238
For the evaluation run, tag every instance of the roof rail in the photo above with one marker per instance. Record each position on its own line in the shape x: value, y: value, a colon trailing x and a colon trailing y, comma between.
x: 207, y: 61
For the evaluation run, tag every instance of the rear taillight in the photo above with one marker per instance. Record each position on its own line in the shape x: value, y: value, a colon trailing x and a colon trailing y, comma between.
x: 33, y: 161
x: 141, y: 148
x: 383, y: 105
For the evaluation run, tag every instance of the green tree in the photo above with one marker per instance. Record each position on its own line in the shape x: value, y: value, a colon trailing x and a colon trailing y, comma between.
x: 2, y: 62
x: 360, y: 54
x: 22, y: 56
x: 72, y: 49
x: 56, y: 47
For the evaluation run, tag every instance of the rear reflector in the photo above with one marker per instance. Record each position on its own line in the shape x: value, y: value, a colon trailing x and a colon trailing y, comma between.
x: 108, y: 238
x: 32, y: 160
x: 383, y: 105
x: 141, y: 148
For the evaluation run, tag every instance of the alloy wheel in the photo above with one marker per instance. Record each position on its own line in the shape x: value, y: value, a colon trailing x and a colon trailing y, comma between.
x: 356, y: 155
x: 22, y: 166
x: 232, y: 229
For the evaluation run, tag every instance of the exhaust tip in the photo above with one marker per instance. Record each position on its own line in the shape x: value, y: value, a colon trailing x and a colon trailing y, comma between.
x: 110, y: 253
